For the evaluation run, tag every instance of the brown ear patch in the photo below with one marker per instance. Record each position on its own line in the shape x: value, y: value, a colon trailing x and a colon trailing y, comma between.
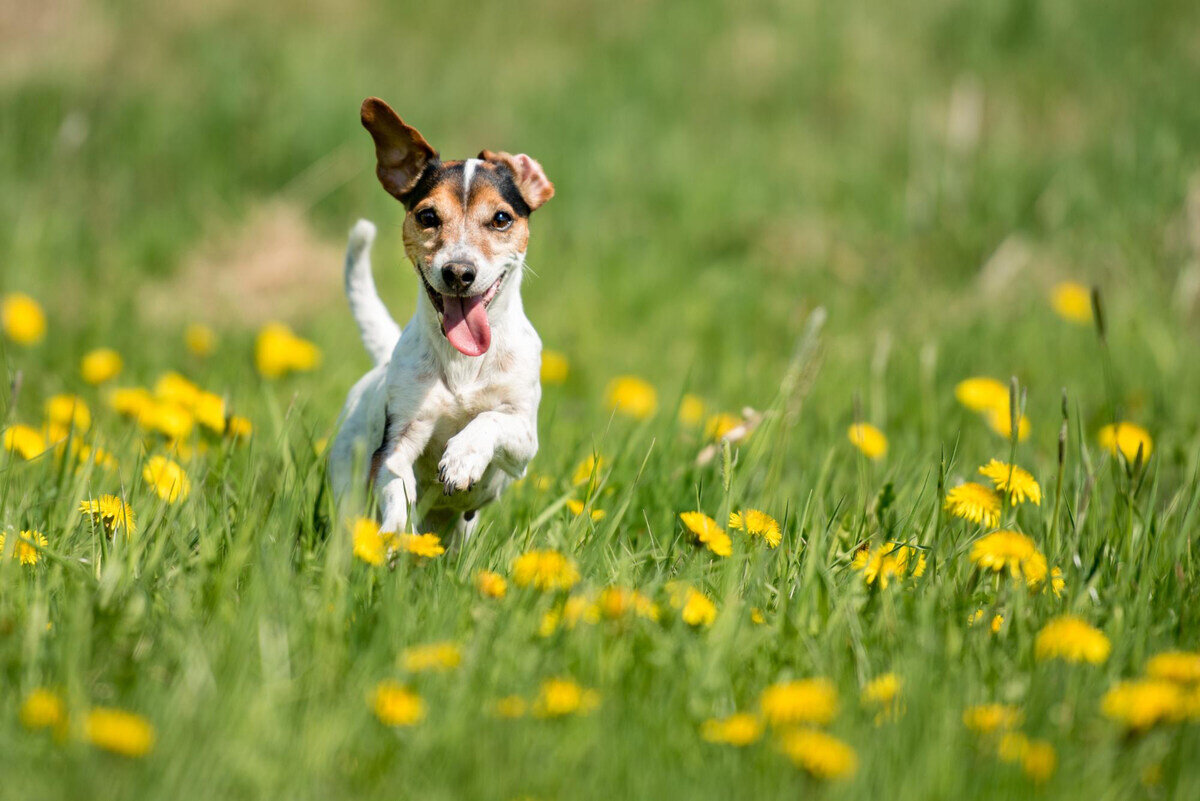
x: 401, y: 153
x: 528, y: 175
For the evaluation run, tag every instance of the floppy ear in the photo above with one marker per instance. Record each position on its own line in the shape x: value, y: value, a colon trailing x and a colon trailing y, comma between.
x: 528, y: 175
x: 401, y: 153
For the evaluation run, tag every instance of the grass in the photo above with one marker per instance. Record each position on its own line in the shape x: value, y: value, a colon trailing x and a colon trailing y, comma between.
x: 921, y: 173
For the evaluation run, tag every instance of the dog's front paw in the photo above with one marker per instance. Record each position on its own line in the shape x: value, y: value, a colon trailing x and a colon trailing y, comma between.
x: 462, y: 464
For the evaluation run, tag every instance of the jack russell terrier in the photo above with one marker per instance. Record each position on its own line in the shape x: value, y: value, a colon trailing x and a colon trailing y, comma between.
x: 448, y: 415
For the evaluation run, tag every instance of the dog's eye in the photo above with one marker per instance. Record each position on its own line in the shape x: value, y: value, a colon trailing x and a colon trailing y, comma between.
x: 502, y: 221
x: 428, y: 218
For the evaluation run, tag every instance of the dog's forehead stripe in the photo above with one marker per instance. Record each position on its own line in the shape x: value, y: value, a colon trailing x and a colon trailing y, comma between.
x: 468, y: 173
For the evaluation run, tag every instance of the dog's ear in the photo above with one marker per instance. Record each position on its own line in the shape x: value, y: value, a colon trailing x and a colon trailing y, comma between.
x: 401, y: 153
x: 528, y: 175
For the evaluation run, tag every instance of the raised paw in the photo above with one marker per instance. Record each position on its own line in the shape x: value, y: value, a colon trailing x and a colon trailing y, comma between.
x: 461, y: 466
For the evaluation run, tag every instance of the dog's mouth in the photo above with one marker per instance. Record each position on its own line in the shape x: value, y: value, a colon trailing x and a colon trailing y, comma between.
x: 464, y: 318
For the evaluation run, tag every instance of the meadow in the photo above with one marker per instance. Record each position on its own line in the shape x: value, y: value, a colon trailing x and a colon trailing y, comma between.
x: 782, y: 538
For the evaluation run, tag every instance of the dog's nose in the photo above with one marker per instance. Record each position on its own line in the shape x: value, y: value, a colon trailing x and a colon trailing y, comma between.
x: 458, y: 275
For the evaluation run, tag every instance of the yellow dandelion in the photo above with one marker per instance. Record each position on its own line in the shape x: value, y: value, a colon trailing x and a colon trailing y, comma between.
x: 882, y: 690
x: 756, y: 616
x: 118, y: 731
x: 491, y: 585
x: 697, y: 609
x: 1017, y: 482
x: 987, y: 718
x: 591, y: 466
x: 200, y: 340
x: 1126, y: 438
x: 576, y: 508
x: 545, y: 570
x: 1039, y: 760
x: 22, y: 319
x: 396, y: 705
x: 632, y: 396
x: 100, y: 365
x: 1182, y: 667
x: 510, y: 706
x: 721, y: 424
x: 97, y: 456
x: 1000, y: 421
x: 69, y: 411
x: 617, y: 602
x: 1057, y: 582
x: 974, y: 502
x: 42, y: 709
x: 278, y: 351
x: 436, y: 657
x: 1011, y: 551
x: 558, y: 697
x: 1072, y: 302
x: 757, y: 524
x: 370, y: 544
x: 868, y: 439
x: 813, y: 701
x: 239, y: 427
x: 555, y: 367
x: 740, y: 729
x: 1072, y: 639
x: 167, y: 479
x: 890, y: 560
x: 27, y: 442
x: 174, y: 388
x: 27, y: 548
x: 982, y: 394
x: 711, y: 535
x: 110, y: 512
x: 170, y: 419
x: 821, y: 754
x: 1141, y: 704
x: 209, y: 410
x: 691, y: 410
x: 425, y: 545
x: 131, y: 401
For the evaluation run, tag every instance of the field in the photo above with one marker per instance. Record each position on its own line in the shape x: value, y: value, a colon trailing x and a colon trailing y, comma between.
x: 774, y: 221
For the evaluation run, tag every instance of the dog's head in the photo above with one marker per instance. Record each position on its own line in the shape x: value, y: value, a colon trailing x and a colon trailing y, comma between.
x: 467, y: 222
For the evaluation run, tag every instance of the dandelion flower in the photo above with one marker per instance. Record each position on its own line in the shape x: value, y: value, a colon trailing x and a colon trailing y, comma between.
x: 981, y: 394
x: 721, y: 424
x: 974, y: 502
x: 997, y: 620
x: 591, y: 466
x: 1070, y: 638
x: 617, y: 602
x: 174, y: 388
x: 238, y: 427
x: 491, y: 585
x: 1011, y: 551
x: 1072, y: 302
x: 437, y: 656
x: 370, y: 544
x: 100, y: 365
x: 209, y: 410
x: 576, y: 508
x: 510, y: 706
x: 396, y: 705
x: 172, y: 420
x: 1057, y: 582
x: 555, y: 367
x: 558, y: 697
x: 813, y: 701
x: 118, y: 731
x: 167, y: 479
x: 25, y: 441
x: 24, y: 549
x: 1037, y: 757
x: 740, y: 729
x: 425, y: 545
x: 882, y: 690
x: 987, y: 718
x: 695, y: 608
x: 110, y: 512
x: 756, y: 616
x: 691, y: 410
x: 545, y: 570
x: 131, y: 401
x: 707, y: 532
x: 821, y: 754
x: 200, y: 340
x: 69, y: 411
x: 1126, y: 438
x: 632, y: 396
x: 1017, y: 482
x: 1000, y: 421
x: 22, y: 319
x: 868, y: 439
x: 757, y: 524
x: 42, y: 709
x: 278, y: 351
x: 889, y: 560
x: 1181, y: 667
x: 1141, y: 704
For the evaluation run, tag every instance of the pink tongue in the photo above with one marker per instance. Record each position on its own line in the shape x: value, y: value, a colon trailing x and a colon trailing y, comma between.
x: 466, y: 324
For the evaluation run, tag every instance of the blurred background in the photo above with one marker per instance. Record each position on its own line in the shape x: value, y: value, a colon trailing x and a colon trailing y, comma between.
x: 925, y: 170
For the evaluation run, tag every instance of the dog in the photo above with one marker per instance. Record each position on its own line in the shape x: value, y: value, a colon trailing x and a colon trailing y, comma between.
x: 447, y: 418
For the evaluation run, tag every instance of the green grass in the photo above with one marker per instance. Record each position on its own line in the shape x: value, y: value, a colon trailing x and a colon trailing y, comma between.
x: 723, y: 170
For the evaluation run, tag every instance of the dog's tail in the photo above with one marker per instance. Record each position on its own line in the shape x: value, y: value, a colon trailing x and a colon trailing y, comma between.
x: 379, y: 331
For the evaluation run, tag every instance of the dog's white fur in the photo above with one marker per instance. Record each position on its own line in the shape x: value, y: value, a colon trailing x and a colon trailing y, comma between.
x: 458, y: 429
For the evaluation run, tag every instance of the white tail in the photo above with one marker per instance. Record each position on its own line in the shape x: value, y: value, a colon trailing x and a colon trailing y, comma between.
x: 379, y: 331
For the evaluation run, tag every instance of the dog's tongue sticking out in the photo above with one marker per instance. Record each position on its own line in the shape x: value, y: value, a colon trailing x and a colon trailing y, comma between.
x: 465, y: 322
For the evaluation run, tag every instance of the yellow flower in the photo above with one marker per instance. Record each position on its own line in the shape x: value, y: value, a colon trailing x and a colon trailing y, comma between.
x: 26, y: 441
x: 278, y: 351
x: 982, y: 394
x: 1141, y: 704
x: 510, y: 706
x: 988, y: 718
x: 111, y: 512
x: 239, y: 427
x: 167, y: 479
x: 1012, y: 551
x: 739, y: 729
x: 370, y: 544
x: 555, y: 367
x: 1182, y: 667
x: 576, y: 508
x: 1017, y: 482
x: 558, y: 697
x: 24, y: 550
x: 977, y: 615
x: 200, y: 340
x: 821, y: 754
x: 97, y: 456
x: 813, y: 701
x: 169, y: 419
x: 69, y: 411
x: 632, y: 396
x: 974, y: 502
x: 1072, y: 302
x: 131, y: 401
x: 1037, y: 757
x: 593, y: 464
x: 758, y: 524
x: 491, y: 584
x: 756, y: 616
x: 43, y: 709
x: 1070, y: 638
x: 708, y: 532
x: 545, y: 570
x: 100, y: 365
x: 210, y: 411
x: 888, y: 560
x: 882, y: 690
x: 1126, y: 438
x: 868, y: 439
x: 1057, y: 582
x: 696, y: 608
x: 396, y: 705
x: 121, y: 732
x: 691, y: 410
x: 616, y: 602
x: 174, y: 388
x: 426, y: 545
x: 1000, y: 420
x: 437, y: 656
x: 22, y: 319
x: 721, y: 424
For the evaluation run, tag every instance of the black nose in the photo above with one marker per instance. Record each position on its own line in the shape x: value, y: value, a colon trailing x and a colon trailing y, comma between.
x: 458, y: 275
